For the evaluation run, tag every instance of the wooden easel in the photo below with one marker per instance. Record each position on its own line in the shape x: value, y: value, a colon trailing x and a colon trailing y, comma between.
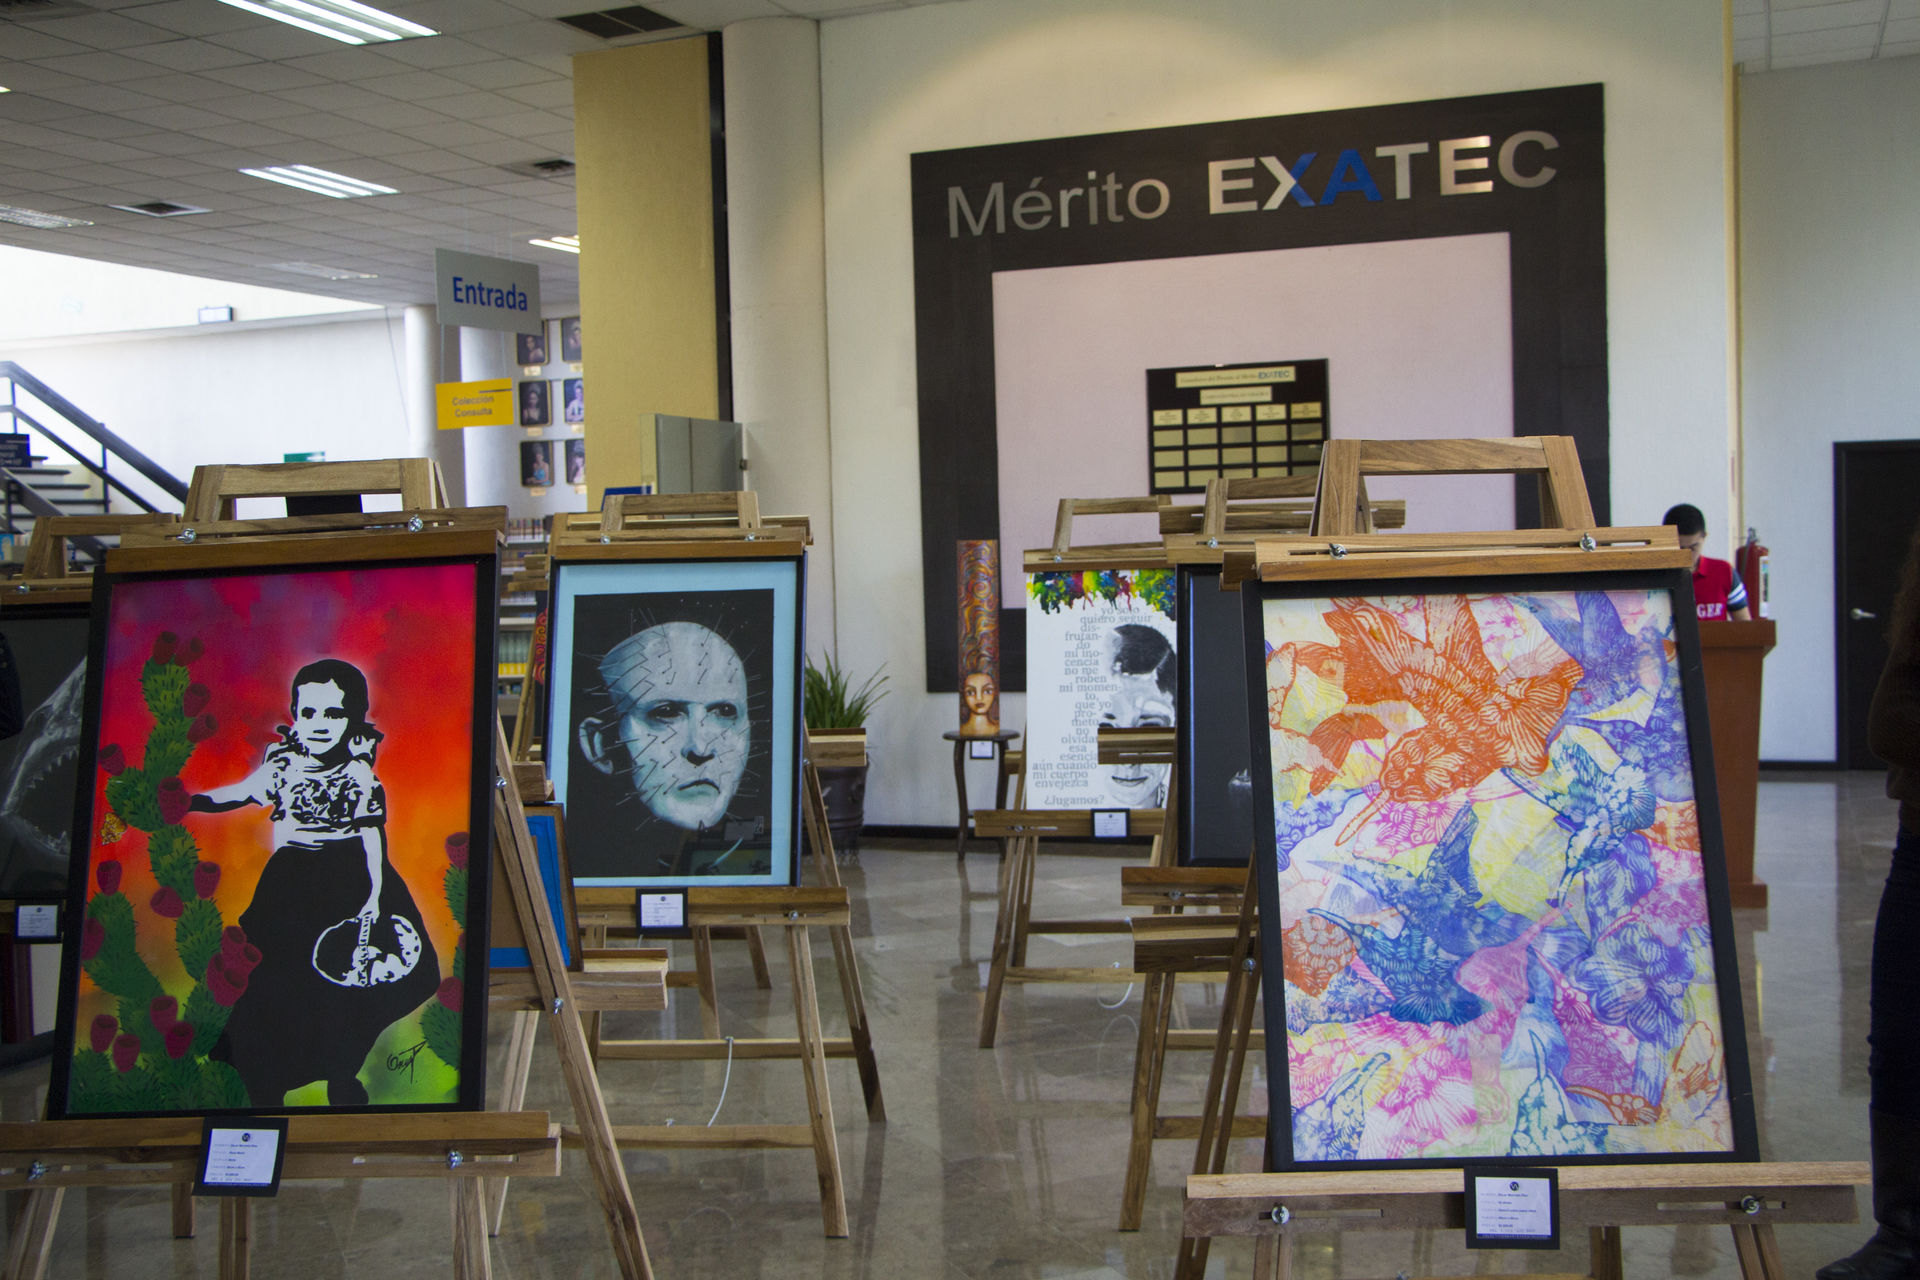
x: 729, y: 525
x: 1342, y: 547
x: 463, y: 1147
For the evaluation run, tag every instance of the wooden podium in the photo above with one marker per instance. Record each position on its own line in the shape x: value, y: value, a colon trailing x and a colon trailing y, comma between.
x: 1731, y: 655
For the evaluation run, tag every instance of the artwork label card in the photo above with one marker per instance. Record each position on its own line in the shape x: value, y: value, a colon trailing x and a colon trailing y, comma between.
x: 242, y: 1157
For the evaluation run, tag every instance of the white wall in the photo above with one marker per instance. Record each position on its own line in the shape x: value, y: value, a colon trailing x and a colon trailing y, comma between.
x: 994, y: 71
x: 1830, y: 312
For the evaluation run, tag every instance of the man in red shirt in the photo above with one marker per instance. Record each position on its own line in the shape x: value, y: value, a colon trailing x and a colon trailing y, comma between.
x: 1718, y: 593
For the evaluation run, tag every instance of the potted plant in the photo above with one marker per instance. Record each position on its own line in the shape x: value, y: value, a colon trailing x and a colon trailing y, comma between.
x: 834, y: 706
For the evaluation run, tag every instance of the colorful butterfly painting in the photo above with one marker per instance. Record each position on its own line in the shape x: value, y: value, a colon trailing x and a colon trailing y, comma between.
x: 1494, y: 937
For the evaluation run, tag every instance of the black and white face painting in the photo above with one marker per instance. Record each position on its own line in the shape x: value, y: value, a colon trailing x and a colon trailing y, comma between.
x: 681, y: 695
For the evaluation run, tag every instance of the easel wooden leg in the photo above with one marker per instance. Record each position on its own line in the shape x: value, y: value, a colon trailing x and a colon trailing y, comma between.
x: 603, y: 1155
x: 1223, y: 1095
x: 1758, y: 1251
x: 757, y: 953
x: 183, y: 1211
x: 1272, y: 1257
x: 1002, y: 940
x: 470, y: 1261
x: 703, y: 971
x: 826, y: 1149
x: 1149, y: 1060
x: 519, y: 1066
x: 1023, y: 903
x: 859, y: 1029
x: 33, y: 1234
x: 1608, y: 1264
x: 236, y: 1237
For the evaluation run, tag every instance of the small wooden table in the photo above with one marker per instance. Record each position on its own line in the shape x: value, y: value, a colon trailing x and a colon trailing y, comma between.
x: 1001, y: 774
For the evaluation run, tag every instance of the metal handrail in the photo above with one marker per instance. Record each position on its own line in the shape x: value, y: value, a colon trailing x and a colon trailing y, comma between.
x: 106, y: 477
x: 19, y: 491
x: 163, y: 479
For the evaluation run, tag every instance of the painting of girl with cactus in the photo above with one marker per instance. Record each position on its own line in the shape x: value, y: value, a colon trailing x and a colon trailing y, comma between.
x: 271, y: 914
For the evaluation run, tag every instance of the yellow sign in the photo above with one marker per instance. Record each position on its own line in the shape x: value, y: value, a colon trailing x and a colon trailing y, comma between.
x: 474, y: 404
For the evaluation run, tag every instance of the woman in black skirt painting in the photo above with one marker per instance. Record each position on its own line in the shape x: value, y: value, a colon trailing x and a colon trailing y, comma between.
x: 343, y: 948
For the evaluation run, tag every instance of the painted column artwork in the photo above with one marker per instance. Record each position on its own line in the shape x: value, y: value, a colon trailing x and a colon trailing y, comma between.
x: 1100, y: 647
x: 979, y: 638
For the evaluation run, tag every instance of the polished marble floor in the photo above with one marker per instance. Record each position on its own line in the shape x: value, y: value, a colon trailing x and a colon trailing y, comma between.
x: 1008, y: 1162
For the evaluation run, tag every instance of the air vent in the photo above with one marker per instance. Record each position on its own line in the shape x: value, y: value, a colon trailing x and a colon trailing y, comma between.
x: 159, y: 209
x: 628, y: 20
x: 551, y: 168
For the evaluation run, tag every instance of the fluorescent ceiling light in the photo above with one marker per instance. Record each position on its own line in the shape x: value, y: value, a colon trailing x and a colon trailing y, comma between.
x: 320, y: 181
x: 344, y: 20
x: 4, y: 89
x: 565, y: 244
x: 37, y: 220
x: 325, y: 273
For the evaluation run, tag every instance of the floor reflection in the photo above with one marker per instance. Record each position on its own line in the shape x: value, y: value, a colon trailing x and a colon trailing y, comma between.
x: 1008, y: 1162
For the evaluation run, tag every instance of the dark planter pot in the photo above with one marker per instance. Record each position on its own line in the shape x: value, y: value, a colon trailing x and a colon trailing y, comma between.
x: 845, y: 794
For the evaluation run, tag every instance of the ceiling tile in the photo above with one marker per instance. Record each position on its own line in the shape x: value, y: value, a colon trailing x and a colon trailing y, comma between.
x: 28, y: 77
x: 1785, y: 62
x: 168, y: 144
x: 451, y: 133
x: 1900, y: 31
x: 1750, y: 27
x: 265, y: 77
x: 552, y: 95
x: 320, y: 124
x: 166, y: 167
x: 188, y: 55
x: 528, y: 39
x: 173, y: 88
x: 501, y: 73
x: 34, y: 135
x: 1832, y: 40
x: 102, y: 97
x: 531, y: 124
x: 256, y: 106
x: 1905, y: 49
x: 415, y: 86
x: 1899, y: 9
x: 198, y: 18
x: 329, y: 97
x: 347, y: 62
x: 175, y: 116
x: 430, y: 161
x: 456, y: 17
x: 472, y: 104
x: 104, y: 126
x: 102, y: 150
x: 23, y: 40
x: 710, y: 15
x: 387, y: 114
x: 95, y: 31
x: 275, y: 41
x: 110, y: 68
x: 1853, y: 13
x: 1749, y: 6
x: 378, y: 143
x: 258, y: 137
x: 25, y: 108
x: 107, y: 175
x: 440, y: 51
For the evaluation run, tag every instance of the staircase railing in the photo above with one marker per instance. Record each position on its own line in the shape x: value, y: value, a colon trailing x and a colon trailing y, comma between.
x: 21, y: 494
x: 111, y: 445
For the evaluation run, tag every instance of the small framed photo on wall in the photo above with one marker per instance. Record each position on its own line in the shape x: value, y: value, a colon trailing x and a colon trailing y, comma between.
x: 530, y: 349
x: 576, y: 453
x: 534, y: 409
x: 536, y: 463
x: 573, y: 399
x: 570, y: 339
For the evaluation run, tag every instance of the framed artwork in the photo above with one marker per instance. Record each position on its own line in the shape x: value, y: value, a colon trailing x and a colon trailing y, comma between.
x: 1492, y: 875
x: 536, y: 463
x: 1100, y: 651
x: 674, y: 719
x: 534, y: 409
x: 979, y: 638
x: 570, y: 339
x: 576, y: 455
x: 282, y: 769
x: 1215, y: 803
x: 530, y: 349
x: 509, y: 944
x: 38, y: 765
x: 573, y: 399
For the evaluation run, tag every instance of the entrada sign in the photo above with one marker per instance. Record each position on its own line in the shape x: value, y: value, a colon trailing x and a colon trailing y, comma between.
x: 486, y: 293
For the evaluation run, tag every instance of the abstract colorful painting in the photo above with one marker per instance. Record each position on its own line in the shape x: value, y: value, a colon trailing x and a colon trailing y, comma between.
x: 271, y: 907
x: 979, y: 638
x: 509, y: 941
x: 1494, y: 886
x: 675, y: 722
x: 1099, y: 652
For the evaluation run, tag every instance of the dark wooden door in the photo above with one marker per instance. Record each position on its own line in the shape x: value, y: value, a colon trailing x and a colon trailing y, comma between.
x: 1876, y: 500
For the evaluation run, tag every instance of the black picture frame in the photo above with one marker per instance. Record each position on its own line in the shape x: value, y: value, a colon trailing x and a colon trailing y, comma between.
x: 38, y: 765
x: 617, y: 836
x: 1214, y: 802
x: 1691, y: 706
x: 1557, y: 272
x: 351, y: 572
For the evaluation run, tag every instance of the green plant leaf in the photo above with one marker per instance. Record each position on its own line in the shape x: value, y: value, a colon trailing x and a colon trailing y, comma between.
x: 829, y: 699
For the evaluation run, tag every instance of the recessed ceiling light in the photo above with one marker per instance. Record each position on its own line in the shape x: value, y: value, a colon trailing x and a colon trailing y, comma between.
x: 37, y: 220
x: 565, y: 244
x: 320, y: 181
x: 342, y: 20
x: 4, y: 89
x: 325, y: 273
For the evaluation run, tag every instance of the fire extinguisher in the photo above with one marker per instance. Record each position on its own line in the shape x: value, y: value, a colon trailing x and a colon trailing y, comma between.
x: 1752, y: 564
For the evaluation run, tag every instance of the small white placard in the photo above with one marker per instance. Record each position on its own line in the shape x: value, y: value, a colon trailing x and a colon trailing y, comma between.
x: 1512, y: 1208
x: 36, y: 922
x: 1109, y: 824
x: 241, y: 1157
x: 981, y: 750
x: 663, y: 911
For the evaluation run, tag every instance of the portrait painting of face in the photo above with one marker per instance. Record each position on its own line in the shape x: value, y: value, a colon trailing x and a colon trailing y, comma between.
x: 536, y: 463
x: 530, y: 349
x: 674, y: 686
x: 1100, y: 652
x: 1493, y: 895
x: 282, y: 772
x: 533, y: 404
x: 570, y: 339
